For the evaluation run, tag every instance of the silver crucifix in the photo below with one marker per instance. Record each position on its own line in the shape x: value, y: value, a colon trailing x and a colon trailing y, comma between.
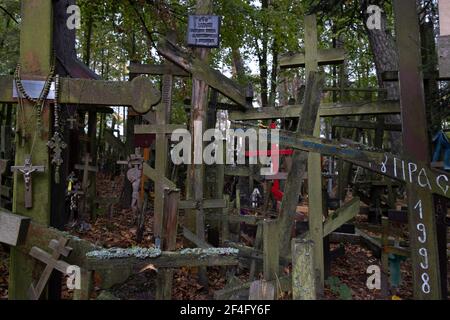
x: 57, y: 145
x: 27, y: 170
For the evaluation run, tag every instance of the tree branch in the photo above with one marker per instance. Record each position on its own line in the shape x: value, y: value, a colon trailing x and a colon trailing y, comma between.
x: 9, y: 14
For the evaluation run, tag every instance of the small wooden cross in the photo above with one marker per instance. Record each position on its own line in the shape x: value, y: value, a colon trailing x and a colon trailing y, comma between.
x: 27, y: 170
x: 52, y: 262
x: 86, y: 168
x: 72, y: 122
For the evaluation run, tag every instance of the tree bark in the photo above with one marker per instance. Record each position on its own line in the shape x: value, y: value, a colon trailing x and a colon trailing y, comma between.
x: 384, y: 49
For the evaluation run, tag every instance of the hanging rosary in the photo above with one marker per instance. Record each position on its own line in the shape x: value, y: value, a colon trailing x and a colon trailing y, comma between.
x: 57, y: 144
x: 38, y: 103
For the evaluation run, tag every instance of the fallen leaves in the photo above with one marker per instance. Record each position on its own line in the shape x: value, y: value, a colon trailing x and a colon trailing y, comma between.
x: 4, y: 274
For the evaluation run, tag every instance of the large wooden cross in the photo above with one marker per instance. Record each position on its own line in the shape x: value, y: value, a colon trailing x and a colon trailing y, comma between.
x: 311, y: 59
x: 162, y: 129
x: 36, y: 59
x: 421, y: 211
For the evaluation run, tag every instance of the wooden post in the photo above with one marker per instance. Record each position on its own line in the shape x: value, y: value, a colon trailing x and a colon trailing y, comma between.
x: 196, y: 172
x: 315, y: 196
x: 265, y: 289
x: 37, y: 23
x: 271, y: 250
x: 257, y: 246
x: 310, y: 59
x: 92, y: 133
x: 299, y: 159
x: 161, y: 163
x: 303, y: 279
x: 165, y: 277
x: 422, y: 224
x: 86, y: 286
x: 385, y: 257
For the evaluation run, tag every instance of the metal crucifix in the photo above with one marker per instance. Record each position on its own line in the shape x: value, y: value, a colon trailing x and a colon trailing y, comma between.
x: 57, y: 145
x: 27, y: 170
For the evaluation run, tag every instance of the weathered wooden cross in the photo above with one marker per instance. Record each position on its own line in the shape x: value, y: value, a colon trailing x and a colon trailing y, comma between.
x: 37, y: 25
x: 72, y: 122
x: 86, y: 168
x: 422, y: 220
x: 203, y: 78
x: 162, y: 129
x: 310, y: 59
x: 52, y: 262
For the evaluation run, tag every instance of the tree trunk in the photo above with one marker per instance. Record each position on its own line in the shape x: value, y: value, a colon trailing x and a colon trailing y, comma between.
x: 384, y: 49
x: 263, y: 67
x: 274, y: 75
x: 88, y: 39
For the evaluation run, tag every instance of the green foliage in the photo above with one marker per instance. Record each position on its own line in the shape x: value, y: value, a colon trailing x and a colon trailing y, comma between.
x: 9, y: 35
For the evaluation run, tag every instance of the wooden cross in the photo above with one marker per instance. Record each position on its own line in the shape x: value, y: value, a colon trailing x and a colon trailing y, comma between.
x: 37, y: 26
x: 72, y: 122
x: 311, y: 59
x: 421, y: 211
x: 86, y: 168
x: 52, y: 263
x: 27, y: 170
x: 161, y: 130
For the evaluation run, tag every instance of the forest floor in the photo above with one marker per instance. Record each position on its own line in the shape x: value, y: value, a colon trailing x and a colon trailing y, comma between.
x: 4, y: 257
x: 347, y: 279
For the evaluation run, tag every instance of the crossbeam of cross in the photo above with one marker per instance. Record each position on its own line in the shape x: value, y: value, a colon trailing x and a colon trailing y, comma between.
x: 138, y: 94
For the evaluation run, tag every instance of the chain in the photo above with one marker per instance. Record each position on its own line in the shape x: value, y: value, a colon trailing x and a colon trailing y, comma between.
x: 38, y: 103
x: 57, y: 107
x: 57, y: 144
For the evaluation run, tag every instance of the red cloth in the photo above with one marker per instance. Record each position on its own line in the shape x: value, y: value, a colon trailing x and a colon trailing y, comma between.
x: 276, y: 192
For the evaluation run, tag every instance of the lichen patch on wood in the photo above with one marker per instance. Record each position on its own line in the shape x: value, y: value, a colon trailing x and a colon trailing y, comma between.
x: 204, y: 253
x: 120, y: 253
